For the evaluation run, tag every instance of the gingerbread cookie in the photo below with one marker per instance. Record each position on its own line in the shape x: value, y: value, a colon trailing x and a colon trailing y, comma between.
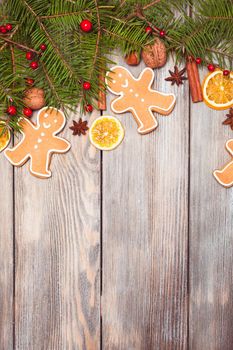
x: 225, y: 176
x: 39, y: 142
x: 137, y: 96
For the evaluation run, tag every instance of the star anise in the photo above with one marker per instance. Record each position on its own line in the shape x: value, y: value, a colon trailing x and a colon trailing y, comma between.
x: 79, y: 127
x: 229, y: 120
x: 177, y: 77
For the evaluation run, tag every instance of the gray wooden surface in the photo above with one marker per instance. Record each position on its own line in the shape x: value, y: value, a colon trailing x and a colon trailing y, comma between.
x: 122, y: 250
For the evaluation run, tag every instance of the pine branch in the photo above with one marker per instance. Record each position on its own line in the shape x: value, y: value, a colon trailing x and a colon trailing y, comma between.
x: 20, y: 46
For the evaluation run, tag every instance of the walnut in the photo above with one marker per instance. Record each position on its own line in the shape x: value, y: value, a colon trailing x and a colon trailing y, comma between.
x: 133, y: 59
x: 155, y: 56
x: 34, y: 98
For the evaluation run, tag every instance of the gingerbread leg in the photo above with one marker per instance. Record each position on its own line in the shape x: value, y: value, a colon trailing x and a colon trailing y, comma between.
x: 15, y: 156
x: 225, y: 176
x: 40, y: 165
x: 146, y: 120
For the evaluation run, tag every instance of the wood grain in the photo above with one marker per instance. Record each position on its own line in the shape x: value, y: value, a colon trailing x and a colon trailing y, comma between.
x: 145, y: 231
x: 58, y: 252
x: 211, y: 229
x: 6, y: 255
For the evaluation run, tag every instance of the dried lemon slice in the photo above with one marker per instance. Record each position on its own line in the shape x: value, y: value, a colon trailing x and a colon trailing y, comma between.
x: 218, y: 90
x: 4, y: 136
x: 106, y: 133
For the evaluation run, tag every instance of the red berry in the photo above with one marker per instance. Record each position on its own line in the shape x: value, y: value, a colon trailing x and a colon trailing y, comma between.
x: 30, y: 81
x: 29, y: 55
x: 86, y: 25
x: 211, y: 67
x: 198, y: 60
x: 34, y: 65
x: 8, y: 27
x: 149, y: 30
x: 86, y: 85
x: 12, y: 110
x: 27, y: 112
x: 89, y: 108
x: 162, y: 33
x: 43, y: 47
x: 3, y: 29
x: 226, y: 72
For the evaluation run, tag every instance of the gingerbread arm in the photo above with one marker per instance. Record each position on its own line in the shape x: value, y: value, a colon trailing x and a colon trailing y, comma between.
x: 147, y: 77
x: 120, y: 105
x: 229, y: 146
x: 60, y: 145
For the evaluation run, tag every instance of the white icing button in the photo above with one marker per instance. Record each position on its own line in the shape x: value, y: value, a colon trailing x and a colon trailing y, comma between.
x: 130, y: 90
x: 42, y: 134
x: 136, y: 95
x: 114, y: 81
x: 120, y: 75
x: 46, y: 115
x: 36, y: 146
x: 142, y: 100
x: 39, y: 140
x: 55, y: 120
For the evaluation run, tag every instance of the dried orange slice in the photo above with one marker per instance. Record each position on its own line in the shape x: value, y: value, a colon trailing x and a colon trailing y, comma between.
x: 218, y: 90
x: 106, y: 133
x: 4, y: 136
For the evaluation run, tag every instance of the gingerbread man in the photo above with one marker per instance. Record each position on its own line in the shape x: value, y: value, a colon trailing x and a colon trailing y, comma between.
x: 225, y: 176
x: 137, y: 96
x: 39, y: 142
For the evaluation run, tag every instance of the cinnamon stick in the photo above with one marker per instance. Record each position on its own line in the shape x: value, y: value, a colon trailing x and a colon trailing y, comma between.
x: 102, y: 105
x: 194, y: 80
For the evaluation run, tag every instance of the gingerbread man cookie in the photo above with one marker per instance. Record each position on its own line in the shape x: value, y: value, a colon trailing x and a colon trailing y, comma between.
x: 39, y: 142
x: 137, y: 96
x: 225, y: 175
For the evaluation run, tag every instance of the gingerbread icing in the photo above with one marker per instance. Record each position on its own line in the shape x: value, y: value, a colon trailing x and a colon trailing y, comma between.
x: 137, y: 96
x: 39, y: 142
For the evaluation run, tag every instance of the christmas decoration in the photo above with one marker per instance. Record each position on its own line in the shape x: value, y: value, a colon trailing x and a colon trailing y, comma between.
x: 194, y: 80
x: 27, y: 112
x: 229, y: 120
x: 86, y: 85
x: 106, y: 133
x: 86, y: 25
x: 218, y: 90
x: 133, y: 59
x: 177, y: 77
x: 79, y: 128
x: 155, y: 56
x: 137, y: 96
x: 198, y: 60
x: 34, y: 98
x: 12, y: 110
x: 225, y: 175
x: 29, y: 56
x: 211, y: 67
x: 30, y: 81
x: 93, y: 30
x: 89, y: 108
x: 39, y: 142
x: 4, y: 136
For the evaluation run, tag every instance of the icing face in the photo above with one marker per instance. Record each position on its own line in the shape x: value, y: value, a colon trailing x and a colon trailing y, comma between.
x: 119, y: 81
x: 51, y: 119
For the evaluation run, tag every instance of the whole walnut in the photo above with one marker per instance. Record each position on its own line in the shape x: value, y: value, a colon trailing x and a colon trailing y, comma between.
x: 133, y: 59
x: 34, y: 98
x: 155, y: 56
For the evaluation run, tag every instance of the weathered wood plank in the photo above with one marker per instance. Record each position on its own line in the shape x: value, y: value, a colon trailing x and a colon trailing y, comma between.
x: 145, y: 232
x: 211, y: 229
x: 58, y: 252
x: 6, y: 255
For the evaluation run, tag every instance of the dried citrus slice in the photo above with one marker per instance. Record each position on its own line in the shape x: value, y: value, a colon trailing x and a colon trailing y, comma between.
x: 4, y: 136
x: 106, y: 133
x: 218, y: 90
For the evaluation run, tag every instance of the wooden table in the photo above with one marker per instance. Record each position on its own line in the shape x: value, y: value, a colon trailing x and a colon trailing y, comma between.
x: 126, y: 250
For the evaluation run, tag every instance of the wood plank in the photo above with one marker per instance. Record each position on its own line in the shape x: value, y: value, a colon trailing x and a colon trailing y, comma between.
x: 211, y: 228
x: 58, y: 252
x: 145, y: 231
x: 6, y: 255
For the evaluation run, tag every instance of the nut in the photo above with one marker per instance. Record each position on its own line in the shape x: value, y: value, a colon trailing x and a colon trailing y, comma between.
x: 155, y: 56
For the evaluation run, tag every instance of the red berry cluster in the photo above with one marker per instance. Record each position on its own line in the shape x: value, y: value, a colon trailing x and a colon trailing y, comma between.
x: 86, y: 87
x: 30, y: 56
x: 149, y: 30
x: 211, y: 67
x: 5, y: 28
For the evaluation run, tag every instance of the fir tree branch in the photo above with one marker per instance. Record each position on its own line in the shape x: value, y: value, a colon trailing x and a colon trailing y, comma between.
x: 64, y: 14
x: 20, y: 46
x: 51, y: 84
x: 219, y: 52
x: 97, y: 40
x: 10, y: 36
x: 150, y: 4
